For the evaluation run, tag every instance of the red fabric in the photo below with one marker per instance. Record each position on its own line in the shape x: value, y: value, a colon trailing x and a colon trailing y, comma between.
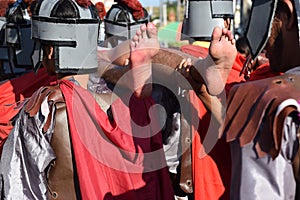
x: 14, y: 91
x: 218, y: 150
x: 3, y: 7
x: 207, y: 180
x: 135, y: 8
x: 263, y: 71
x: 234, y: 75
x: 84, y: 3
x: 113, y: 163
x: 197, y: 51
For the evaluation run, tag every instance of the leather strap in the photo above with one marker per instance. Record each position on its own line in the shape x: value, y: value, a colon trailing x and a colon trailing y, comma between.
x: 186, y: 174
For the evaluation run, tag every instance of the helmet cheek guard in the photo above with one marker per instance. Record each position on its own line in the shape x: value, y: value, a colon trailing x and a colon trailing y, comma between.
x: 201, y: 16
x: 74, y: 39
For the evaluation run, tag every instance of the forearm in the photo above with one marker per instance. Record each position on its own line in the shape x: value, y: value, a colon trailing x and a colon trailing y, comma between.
x: 112, y: 73
x: 213, y: 104
x: 163, y: 65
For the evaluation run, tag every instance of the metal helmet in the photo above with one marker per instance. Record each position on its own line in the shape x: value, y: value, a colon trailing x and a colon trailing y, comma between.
x: 74, y: 39
x: 120, y: 24
x: 3, y: 46
x: 18, y: 35
x: 201, y: 16
x: 260, y: 23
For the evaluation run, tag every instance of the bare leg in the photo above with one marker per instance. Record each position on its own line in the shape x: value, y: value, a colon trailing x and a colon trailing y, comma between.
x: 144, y: 46
x: 217, y: 66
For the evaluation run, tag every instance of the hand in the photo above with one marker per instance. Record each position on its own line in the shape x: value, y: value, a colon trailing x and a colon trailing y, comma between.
x: 184, y: 68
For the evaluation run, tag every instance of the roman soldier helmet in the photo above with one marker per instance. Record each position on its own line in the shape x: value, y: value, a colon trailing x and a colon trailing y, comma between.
x: 260, y: 23
x: 74, y: 39
x: 259, y: 26
x: 3, y: 46
x: 201, y: 16
x: 122, y: 20
x: 18, y: 35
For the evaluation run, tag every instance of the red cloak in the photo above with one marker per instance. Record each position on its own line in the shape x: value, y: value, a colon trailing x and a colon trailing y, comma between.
x: 116, y: 160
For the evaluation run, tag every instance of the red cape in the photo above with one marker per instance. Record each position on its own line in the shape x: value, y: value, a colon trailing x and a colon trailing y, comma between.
x: 120, y: 159
x: 15, y: 91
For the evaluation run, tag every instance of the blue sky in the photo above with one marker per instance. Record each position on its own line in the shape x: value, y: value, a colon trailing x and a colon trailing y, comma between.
x: 151, y: 2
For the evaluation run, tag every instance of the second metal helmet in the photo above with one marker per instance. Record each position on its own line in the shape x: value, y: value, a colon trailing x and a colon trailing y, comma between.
x: 201, y: 16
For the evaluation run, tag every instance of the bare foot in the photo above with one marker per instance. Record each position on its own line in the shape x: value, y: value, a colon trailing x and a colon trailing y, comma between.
x: 144, y: 46
x: 216, y: 67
